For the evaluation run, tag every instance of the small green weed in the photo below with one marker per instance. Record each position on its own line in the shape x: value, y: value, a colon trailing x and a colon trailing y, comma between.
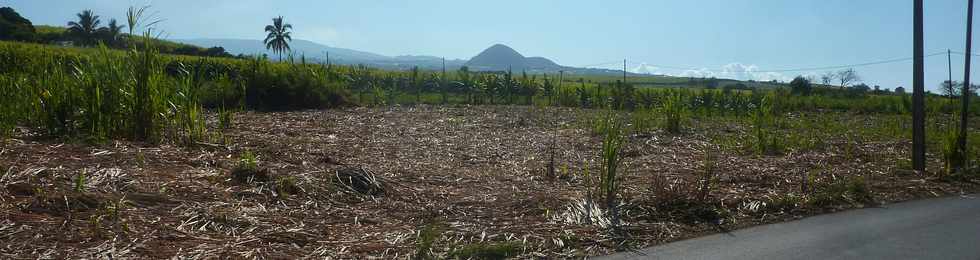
x: 487, y: 251
x: 427, y: 237
x: 80, y: 181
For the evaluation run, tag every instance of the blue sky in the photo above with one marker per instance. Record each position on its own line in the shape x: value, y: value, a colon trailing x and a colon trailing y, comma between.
x: 724, y: 38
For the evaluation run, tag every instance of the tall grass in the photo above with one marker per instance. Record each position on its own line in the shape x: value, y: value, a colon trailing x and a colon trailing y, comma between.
x: 613, y: 141
x: 674, y: 112
x: 100, y: 94
x: 766, y: 140
x: 954, y: 156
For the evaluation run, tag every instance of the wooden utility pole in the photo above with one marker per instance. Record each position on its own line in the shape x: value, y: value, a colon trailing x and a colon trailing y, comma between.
x: 949, y: 68
x: 624, y: 72
x: 964, y: 114
x: 918, y: 95
x: 444, y: 84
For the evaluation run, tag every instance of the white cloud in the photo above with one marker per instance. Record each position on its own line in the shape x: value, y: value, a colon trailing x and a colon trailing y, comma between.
x: 735, y: 70
x: 644, y: 68
x: 699, y: 73
x: 741, y: 71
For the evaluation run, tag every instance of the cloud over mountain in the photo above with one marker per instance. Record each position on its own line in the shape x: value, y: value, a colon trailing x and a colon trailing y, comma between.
x: 735, y: 70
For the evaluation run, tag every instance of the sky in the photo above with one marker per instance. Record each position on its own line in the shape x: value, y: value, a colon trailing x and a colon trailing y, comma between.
x: 742, y: 39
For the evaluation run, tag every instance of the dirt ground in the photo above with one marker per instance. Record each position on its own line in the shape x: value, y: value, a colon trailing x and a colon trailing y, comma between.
x: 471, y: 177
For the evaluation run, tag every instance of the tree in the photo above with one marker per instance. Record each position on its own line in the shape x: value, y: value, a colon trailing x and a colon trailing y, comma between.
x: 14, y: 27
x: 948, y: 89
x: 279, y: 36
x: 847, y: 76
x: 828, y: 77
x: 800, y: 86
x: 217, y: 51
x: 110, y: 34
x: 859, y: 89
x: 85, y: 30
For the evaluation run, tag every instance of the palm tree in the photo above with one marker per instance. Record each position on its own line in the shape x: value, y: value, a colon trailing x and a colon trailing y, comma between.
x: 279, y: 36
x: 86, y: 28
x: 110, y: 33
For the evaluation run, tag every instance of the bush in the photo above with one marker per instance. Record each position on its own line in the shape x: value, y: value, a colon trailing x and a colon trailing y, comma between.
x: 800, y: 86
x: 954, y: 156
x: 847, y: 190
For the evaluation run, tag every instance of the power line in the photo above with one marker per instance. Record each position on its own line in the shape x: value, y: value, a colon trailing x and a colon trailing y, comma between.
x: 783, y: 70
x: 600, y: 64
x: 853, y: 65
x: 961, y: 53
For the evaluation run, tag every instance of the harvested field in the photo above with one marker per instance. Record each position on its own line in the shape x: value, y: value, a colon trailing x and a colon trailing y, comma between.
x: 376, y: 182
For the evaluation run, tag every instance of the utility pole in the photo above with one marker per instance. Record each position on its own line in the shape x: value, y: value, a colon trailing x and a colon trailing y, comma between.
x: 443, y: 84
x: 949, y: 68
x: 624, y: 71
x: 918, y: 83
x: 964, y: 114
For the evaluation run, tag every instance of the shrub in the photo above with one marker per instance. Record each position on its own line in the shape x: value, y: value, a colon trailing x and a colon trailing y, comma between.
x: 800, y: 86
x: 954, y: 156
x: 846, y: 190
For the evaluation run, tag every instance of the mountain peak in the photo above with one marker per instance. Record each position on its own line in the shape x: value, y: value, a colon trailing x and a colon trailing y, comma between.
x: 501, y: 57
x: 501, y: 47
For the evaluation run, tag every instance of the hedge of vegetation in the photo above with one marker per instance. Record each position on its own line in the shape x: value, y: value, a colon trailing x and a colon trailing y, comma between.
x: 99, y: 94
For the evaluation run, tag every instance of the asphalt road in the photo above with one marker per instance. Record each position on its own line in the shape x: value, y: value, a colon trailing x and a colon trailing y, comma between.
x: 943, y: 228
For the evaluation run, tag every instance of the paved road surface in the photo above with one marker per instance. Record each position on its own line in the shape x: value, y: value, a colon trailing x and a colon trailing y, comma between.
x: 943, y: 228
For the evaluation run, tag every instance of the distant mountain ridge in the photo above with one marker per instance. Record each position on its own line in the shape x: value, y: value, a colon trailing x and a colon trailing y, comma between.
x: 297, y: 46
x: 316, y: 52
x: 498, y: 57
